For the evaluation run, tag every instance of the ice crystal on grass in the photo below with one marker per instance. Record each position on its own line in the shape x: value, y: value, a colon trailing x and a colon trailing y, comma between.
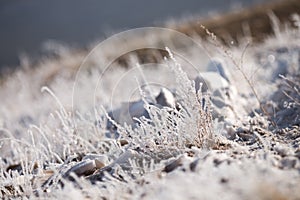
x: 195, y: 108
x: 173, y: 152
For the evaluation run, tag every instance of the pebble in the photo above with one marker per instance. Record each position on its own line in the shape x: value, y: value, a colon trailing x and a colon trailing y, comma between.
x: 297, y: 153
x: 200, y: 83
x: 123, y: 159
x: 26, y: 120
x: 281, y: 69
x: 123, y: 142
x: 210, y: 81
x: 136, y: 109
x: 100, y: 160
x: 283, y: 151
x: 84, y: 167
x: 218, y: 102
x: 218, y: 65
x: 216, y: 80
x: 194, y: 164
x: 127, y: 112
x: 245, y: 134
x: 173, y: 165
x: 166, y: 98
x: 100, y: 174
x: 288, y: 162
x: 15, y: 167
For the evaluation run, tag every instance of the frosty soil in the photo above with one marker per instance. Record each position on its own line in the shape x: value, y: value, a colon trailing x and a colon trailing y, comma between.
x: 190, y: 141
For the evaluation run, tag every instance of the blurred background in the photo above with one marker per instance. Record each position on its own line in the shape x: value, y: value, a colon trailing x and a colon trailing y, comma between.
x: 27, y: 25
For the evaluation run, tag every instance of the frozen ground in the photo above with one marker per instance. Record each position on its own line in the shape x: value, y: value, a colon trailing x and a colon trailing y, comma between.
x: 63, y: 134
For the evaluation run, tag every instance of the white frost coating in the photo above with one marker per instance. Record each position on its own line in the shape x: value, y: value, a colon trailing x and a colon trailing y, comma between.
x: 242, y: 169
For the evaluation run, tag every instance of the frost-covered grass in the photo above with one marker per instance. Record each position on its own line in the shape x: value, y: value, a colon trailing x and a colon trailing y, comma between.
x: 248, y: 150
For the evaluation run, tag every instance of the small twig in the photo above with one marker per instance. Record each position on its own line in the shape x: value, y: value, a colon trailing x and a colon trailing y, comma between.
x: 243, y: 54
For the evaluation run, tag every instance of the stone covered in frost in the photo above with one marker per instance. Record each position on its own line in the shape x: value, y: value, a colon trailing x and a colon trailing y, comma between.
x: 128, y: 111
x: 216, y: 81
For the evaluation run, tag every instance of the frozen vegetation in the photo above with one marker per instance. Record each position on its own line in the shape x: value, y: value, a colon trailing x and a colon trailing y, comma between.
x: 205, y: 122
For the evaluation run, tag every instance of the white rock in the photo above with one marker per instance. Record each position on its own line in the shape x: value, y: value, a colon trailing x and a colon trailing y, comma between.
x: 211, y: 81
x: 100, y: 160
x: 128, y: 111
x: 218, y: 65
x: 123, y: 159
x: 218, y: 102
x: 165, y: 98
